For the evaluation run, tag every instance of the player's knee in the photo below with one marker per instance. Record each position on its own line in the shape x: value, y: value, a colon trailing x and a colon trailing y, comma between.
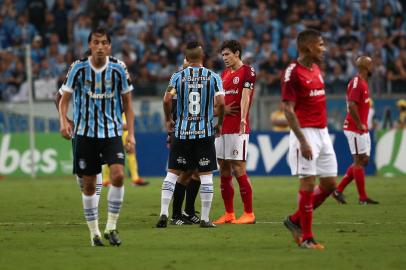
x: 366, y: 160
x: 89, y: 189
x: 117, y: 176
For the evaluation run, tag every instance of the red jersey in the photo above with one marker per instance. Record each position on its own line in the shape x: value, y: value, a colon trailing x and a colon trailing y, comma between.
x: 357, y: 91
x: 305, y: 87
x: 233, y: 84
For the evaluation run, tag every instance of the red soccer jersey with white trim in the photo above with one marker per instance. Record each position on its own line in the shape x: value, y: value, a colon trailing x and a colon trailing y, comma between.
x: 233, y: 84
x: 305, y: 87
x: 357, y: 91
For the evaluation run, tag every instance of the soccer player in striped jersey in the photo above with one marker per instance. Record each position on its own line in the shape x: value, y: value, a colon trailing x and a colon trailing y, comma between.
x: 101, y: 89
x: 356, y: 131
x: 197, y: 89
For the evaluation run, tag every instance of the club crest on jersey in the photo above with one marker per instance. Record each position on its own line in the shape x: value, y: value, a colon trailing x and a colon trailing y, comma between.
x: 82, y: 164
x: 236, y: 80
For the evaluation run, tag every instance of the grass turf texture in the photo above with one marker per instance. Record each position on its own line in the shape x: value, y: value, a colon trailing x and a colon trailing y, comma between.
x: 42, y: 227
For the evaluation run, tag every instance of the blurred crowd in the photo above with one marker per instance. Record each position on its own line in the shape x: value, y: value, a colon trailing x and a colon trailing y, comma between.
x: 149, y: 36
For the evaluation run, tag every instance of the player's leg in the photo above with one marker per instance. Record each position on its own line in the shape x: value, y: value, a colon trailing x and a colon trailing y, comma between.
x: 192, y: 189
x: 239, y: 169
x: 226, y: 182
x: 113, y: 154
x: 178, y: 197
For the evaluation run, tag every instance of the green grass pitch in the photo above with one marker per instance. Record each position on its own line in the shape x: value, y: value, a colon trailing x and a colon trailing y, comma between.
x: 42, y: 227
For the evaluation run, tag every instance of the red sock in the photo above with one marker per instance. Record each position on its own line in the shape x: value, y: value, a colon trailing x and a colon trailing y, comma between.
x: 246, y: 192
x: 359, y: 175
x: 227, y: 192
x: 320, y: 196
x: 349, y: 175
x: 306, y: 213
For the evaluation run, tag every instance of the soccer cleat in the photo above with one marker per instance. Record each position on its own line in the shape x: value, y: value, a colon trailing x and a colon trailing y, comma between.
x: 162, y: 221
x: 246, y: 218
x: 207, y: 224
x: 226, y: 218
x: 367, y: 201
x: 180, y: 221
x: 113, y: 237
x: 96, y: 241
x: 294, y: 229
x: 311, y: 244
x: 106, y: 183
x: 339, y: 197
x: 192, y: 218
x: 139, y: 182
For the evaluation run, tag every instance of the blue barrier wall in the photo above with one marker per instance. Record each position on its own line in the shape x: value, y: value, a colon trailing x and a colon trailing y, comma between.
x: 267, y: 153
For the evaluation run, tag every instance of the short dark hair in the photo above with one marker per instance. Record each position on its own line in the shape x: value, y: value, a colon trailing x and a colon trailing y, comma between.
x: 307, y: 36
x: 232, y: 45
x: 193, y: 45
x: 100, y: 31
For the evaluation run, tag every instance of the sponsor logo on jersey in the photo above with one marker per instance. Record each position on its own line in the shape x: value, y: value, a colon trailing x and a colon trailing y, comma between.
x: 231, y: 92
x: 236, y: 80
x: 315, y: 93
x: 120, y: 155
x: 196, y: 79
x: 192, y: 132
x: 196, y: 85
x: 99, y: 96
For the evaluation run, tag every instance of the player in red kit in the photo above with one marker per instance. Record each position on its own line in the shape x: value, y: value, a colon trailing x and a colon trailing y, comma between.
x: 311, y: 151
x: 231, y: 147
x: 356, y: 131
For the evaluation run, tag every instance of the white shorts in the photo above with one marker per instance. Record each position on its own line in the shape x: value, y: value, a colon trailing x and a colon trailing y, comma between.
x: 359, y: 143
x: 324, y: 162
x: 232, y: 146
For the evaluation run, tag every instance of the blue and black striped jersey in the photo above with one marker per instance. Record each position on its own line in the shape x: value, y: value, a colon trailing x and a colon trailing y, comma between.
x: 195, y: 88
x: 97, y: 105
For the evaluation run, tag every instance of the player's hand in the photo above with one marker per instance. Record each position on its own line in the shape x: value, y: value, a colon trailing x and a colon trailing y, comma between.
x: 230, y: 109
x: 362, y: 127
x: 243, y: 126
x: 306, y: 150
x: 70, y: 123
x: 66, y: 130
x: 130, y: 144
x: 218, y: 130
x: 170, y: 124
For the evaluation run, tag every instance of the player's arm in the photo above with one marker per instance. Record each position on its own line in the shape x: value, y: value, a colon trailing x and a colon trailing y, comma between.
x: 353, y: 110
x: 65, y: 128
x: 220, y: 108
x: 57, y: 100
x: 245, y: 103
x: 167, y: 105
x: 129, y: 115
x: 288, y: 108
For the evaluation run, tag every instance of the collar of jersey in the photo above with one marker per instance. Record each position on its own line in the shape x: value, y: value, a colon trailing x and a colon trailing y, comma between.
x: 99, y: 69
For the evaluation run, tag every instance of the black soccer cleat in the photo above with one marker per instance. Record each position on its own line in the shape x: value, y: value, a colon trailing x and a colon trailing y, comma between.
x: 162, y: 221
x: 113, y: 237
x: 96, y: 241
x: 294, y: 229
x: 339, y: 197
x: 368, y: 201
x: 192, y: 218
x: 207, y: 224
x: 179, y: 221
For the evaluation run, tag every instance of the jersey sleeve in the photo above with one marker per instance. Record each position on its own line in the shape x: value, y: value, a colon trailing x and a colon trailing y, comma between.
x: 218, y: 85
x: 250, y: 78
x: 355, y: 93
x: 289, y: 84
x: 173, y: 83
x: 71, y: 78
x: 126, y: 84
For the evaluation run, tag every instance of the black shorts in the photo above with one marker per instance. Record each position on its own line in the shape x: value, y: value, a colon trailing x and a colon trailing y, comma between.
x: 194, y: 154
x: 89, y: 154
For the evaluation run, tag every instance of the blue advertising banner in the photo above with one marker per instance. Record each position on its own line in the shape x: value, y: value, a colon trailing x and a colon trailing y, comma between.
x: 267, y: 153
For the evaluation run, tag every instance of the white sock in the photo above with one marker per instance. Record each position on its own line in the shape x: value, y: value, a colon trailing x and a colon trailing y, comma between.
x: 206, y: 195
x: 115, y: 198
x: 91, y: 213
x: 79, y: 180
x: 99, y: 185
x: 168, y: 186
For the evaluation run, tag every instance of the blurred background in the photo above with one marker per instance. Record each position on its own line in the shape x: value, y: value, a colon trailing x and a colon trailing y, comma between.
x: 150, y: 36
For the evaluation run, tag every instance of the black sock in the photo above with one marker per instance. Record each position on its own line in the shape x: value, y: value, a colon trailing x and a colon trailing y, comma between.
x: 191, y: 193
x: 178, y: 196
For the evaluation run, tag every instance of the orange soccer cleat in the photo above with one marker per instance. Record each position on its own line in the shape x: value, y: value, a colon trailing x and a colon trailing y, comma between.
x: 246, y: 218
x: 226, y: 218
x: 311, y: 244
